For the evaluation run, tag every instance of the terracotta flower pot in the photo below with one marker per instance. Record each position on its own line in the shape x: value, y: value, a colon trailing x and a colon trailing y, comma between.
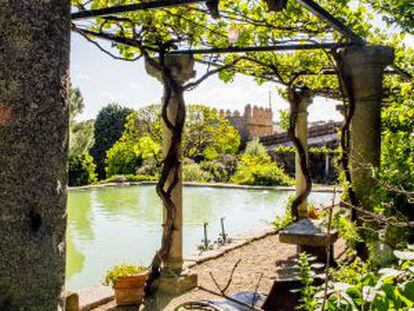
x: 129, y: 290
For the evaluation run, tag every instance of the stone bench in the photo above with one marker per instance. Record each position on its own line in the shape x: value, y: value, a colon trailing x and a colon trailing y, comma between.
x: 310, y: 237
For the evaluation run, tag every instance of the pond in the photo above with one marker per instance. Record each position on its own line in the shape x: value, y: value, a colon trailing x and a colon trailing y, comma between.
x: 112, y: 225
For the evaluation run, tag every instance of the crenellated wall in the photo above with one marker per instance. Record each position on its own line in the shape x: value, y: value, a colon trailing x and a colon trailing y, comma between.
x: 255, y: 121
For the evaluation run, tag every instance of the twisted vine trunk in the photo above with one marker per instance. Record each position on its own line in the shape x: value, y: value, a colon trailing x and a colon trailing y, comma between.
x: 294, y: 100
x: 345, y: 82
x: 34, y: 120
x: 173, y: 120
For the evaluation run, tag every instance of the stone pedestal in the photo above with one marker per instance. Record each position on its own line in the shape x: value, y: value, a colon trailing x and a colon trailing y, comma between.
x: 177, y: 285
x: 301, y: 129
x: 310, y: 237
x: 364, y: 67
x: 181, y: 68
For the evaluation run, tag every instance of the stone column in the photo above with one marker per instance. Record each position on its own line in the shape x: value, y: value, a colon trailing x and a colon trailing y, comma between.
x: 301, y: 129
x: 327, y: 165
x: 182, y: 69
x: 364, y: 68
x: 34, y: 121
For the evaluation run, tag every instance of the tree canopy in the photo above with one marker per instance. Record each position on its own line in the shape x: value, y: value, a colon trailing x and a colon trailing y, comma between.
x: 108, y: 128
x: 206, y: 133
x: 244, y: 23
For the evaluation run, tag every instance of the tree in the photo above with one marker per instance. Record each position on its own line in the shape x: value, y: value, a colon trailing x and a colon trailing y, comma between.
x: 81, y: 169
x: 206, y: 133
x: 125, y: 157
x: 81, y: 133
x: 34, y: 118
x: 76, y: 103
x: 81, y: 166
x: 257, y: 168
x: 399, y: 12
x: 108, y: 128
x: 81, y: 137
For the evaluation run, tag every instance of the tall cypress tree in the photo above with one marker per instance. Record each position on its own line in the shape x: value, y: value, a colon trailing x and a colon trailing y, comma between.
x: 109, y: 126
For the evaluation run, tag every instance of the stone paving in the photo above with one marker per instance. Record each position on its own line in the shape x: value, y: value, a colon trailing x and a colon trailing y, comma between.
x: 266, y: 257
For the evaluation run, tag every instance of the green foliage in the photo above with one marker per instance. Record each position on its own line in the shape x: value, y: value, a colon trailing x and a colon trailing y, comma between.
x: 122, y: 270
x: 142, y: 177
x: 206, y: 135
x: 361, y: 287
x: 256, y: 168
x: 76, y: 104
x: 193, y: 172
x: 400, y: 12
x: 316, y: 150
x: 125, y: 157
x: 222, y: 168
x: 81, y: 169
x: 308, y: 289
x: 282, y: 222
x: 346, y: 229
x: 108, y: 128
x: 284, y: 116
x: 81, y: 137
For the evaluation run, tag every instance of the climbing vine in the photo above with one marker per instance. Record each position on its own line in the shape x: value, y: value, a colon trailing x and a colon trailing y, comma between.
x: 348, y: 98
x: 170, y: 167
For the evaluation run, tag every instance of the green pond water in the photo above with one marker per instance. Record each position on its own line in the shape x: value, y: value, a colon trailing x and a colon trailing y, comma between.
x: 114, y: 225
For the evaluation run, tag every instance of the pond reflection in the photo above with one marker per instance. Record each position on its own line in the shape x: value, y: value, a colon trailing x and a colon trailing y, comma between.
x: 123, y: 224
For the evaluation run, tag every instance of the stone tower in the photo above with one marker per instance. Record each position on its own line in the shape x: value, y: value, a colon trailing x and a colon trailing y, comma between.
x: 255, y: 122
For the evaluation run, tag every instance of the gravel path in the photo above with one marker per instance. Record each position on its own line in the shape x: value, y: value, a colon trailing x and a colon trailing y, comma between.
x: 264, y: 257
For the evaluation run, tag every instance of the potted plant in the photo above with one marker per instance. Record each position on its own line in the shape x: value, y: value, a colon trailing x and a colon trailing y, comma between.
x: 128, y: 282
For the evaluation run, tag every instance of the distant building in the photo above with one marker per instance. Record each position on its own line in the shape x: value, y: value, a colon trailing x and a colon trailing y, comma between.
x: 255, y: 122
x: 320, y: 134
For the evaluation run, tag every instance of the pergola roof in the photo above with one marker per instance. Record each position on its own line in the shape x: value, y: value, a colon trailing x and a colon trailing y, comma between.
x: 121, y: 25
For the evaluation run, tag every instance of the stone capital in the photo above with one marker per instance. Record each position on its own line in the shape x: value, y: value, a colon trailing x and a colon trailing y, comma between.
x: 365, y: 67
x: 181, y: 67
x: 359, y: 57
x: 303, y: 97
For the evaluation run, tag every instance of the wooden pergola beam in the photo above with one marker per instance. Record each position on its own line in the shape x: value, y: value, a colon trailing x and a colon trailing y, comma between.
x: 268, y: 48
x: 131, y: 8
x: 227, y: 50
x: 331, y: 20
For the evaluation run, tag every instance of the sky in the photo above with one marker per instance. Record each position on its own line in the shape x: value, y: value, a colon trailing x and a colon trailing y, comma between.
x: 103, y: 80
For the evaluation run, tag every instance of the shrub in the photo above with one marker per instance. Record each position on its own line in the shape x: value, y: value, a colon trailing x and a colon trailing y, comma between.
x: 222, y: 168
x: 122, y: 159
x: 125, y: 157
x: 141, y: 177
x: 361, y: 287
x: 81, y: 170
x: 257, y: 168
x: 193, y: 172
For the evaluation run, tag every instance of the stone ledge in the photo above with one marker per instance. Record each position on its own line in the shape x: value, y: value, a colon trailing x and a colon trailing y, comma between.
x: 210, y: 185
x: 94, y: 296
x: 307, y: 232
x: 237, y: 242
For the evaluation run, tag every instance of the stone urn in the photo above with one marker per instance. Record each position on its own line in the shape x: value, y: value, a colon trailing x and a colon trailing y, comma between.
x: 129, y: 290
